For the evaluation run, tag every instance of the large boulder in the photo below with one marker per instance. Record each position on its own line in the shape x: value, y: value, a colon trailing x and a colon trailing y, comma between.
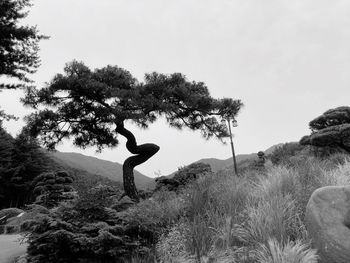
x: 328, y: 223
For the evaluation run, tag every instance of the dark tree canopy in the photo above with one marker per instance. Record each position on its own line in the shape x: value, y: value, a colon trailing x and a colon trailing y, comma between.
x: 18, y: 43
x: 21, y: 160
x: 86, y: 105
x: 91, y: 107
x: 331, y: 129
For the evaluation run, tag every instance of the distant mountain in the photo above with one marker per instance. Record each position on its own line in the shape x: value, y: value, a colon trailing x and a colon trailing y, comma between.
x: 217, y: 164
x: 114, y: 171
x: 110, y: 170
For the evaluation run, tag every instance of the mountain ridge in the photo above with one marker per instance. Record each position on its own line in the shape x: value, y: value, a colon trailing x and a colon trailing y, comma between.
x: 104, y: 168
x: 221, y: 164
x: 114, y: 170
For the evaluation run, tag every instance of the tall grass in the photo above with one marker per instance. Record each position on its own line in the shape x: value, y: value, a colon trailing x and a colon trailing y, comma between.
x: 253, y: 218
x: 215, y: 205
x: 276, y: 217
x: 280, y: 180
x: 289, y: 252
x: 338, y: 176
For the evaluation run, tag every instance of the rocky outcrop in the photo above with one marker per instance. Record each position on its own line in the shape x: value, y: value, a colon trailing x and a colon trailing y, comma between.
x: 328, y: 223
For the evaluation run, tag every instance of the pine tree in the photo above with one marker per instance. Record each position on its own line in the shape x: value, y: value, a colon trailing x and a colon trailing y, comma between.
x: 28, y: 161
x: 93, y: 107
x: 50, y: 188
x: 18, y: 43
x: 6, y: 148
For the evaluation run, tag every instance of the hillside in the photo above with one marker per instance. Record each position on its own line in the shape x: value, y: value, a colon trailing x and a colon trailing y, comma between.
x: 217, y: 164
x: 114, y: 170
x: 107, y: 169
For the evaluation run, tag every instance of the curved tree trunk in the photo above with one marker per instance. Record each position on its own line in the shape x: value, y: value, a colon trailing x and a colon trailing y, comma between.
x: 142, y: 153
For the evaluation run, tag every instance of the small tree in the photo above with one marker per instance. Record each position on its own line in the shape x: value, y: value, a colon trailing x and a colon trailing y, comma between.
x: 93, y: 108
x: 50, y: 188
x: 331, y: 129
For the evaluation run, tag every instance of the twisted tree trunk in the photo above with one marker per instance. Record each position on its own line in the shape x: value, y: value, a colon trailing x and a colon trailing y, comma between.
x: 142, y: 153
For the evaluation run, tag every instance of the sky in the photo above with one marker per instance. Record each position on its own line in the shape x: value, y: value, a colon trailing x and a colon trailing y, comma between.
x: 288, y: 61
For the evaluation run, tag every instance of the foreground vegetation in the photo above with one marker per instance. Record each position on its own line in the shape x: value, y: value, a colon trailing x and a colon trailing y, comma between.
x: 257, y: 217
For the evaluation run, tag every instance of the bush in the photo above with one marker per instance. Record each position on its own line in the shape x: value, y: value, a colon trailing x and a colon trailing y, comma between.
x: 150, y: 217
x: 51, y: 188
x: 83, y: 230
x: 10, y: 212
x: 282, y: 154
x: 57, y: 238
x: 183, y: 177
x: 91, y: 205
x: 172, y: 245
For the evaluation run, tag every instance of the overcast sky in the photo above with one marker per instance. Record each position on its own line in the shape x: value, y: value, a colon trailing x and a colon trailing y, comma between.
x: 288, y: 61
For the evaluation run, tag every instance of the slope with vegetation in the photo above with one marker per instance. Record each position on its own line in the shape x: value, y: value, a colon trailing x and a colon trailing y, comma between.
x: 207, y: 217
x: 107, y: 169
x: 22, y: 161
x: 241, y: 159
x: 257, y: 217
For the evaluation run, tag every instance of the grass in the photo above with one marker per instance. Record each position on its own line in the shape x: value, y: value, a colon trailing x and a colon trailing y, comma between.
x: 254, y: 218
x: 289, y: 252
x: 258, y: 217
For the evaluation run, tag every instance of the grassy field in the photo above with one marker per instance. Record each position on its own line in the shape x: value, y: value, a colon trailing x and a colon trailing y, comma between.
x: 11, y: 248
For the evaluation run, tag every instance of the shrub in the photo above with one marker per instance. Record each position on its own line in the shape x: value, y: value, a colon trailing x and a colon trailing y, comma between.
x: 83, y: 230
x: 172, y: 244
x: 282, y: 154
x: 57, y: 238
x: 150, y: 217
x: 192, y: 171
x: 183, y: 177
x: 52, y: 188
x: 91, y: 204
x: 10, y: 212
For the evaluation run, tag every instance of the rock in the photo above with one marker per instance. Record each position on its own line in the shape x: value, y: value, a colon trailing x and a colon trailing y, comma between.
x: 328, y: 223
x: 123, y: 204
